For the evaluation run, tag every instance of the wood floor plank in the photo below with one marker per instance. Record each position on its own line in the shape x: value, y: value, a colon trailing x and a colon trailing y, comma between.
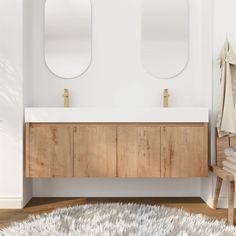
x: 44, y: 205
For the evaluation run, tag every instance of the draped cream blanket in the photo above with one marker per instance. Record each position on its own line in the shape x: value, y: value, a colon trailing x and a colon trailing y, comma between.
x: 226, y: 123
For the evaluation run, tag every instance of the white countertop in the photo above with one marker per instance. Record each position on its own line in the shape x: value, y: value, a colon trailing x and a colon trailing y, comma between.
x: 74, y: 115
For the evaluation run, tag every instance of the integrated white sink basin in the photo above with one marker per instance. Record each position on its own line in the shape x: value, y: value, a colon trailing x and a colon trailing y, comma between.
x: 74, y: 115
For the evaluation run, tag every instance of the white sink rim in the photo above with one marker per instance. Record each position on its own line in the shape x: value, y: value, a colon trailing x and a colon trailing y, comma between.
x: 116, y: 115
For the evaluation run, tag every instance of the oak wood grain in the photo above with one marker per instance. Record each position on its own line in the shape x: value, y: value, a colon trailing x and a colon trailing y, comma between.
x: 94, y: 151
x: 231, y: 191
x: 184, y: 151
x: 221, y: 144
x: 116, y: 150
x: 27, y: 150
x: 138, y: 151
x: 51, y: 151
x: 225, y: 175
x: 218, y: 186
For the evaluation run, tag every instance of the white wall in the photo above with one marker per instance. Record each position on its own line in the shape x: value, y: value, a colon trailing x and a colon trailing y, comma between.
x: 11, y: 109
x: 116, y: 78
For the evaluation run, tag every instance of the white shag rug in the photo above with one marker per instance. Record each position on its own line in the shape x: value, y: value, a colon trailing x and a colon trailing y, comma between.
x: 119, y: 220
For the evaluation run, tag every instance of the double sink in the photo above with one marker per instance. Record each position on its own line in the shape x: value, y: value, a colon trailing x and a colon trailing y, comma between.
x: 112, y: 115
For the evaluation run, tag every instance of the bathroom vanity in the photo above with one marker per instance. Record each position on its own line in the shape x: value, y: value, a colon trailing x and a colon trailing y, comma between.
x: 86, y: 142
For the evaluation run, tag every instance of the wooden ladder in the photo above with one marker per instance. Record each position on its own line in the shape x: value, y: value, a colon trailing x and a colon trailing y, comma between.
x: 223, y: 175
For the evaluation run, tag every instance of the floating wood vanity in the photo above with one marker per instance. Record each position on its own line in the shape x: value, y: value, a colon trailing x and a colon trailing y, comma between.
x: 116, y: 150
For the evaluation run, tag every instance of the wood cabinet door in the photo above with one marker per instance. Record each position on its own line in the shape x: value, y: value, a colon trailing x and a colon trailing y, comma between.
x: 138, y: 150
x: 50, y: 151
x: 94, y: 151
x: 184, y: 151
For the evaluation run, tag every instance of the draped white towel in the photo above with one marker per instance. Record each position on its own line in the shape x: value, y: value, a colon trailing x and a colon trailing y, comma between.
x: 227, y: 167
x: 226, y: 122
x: 234, y: 154
x: 230, y: 165
x: 230, y: 171
x: 231, y: 159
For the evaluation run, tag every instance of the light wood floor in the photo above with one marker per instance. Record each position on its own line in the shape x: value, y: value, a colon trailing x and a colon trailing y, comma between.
x: 43, y: 205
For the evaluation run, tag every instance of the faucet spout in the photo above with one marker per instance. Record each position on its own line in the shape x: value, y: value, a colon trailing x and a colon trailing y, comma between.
x: 66, y: 97
x: 166, y: 98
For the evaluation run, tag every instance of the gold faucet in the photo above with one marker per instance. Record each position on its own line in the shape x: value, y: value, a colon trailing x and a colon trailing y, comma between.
x: 66, y: 97
x: 166, y: 98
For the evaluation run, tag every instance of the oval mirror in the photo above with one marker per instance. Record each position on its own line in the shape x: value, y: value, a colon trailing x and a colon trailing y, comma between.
x: 68, y: 37
x: 165, y: 37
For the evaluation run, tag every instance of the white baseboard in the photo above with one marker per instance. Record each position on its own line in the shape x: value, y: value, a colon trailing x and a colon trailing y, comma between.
x: 27, y: 191
x: 26, y: 200
x: 11, y: 203
x: 208, y: 200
